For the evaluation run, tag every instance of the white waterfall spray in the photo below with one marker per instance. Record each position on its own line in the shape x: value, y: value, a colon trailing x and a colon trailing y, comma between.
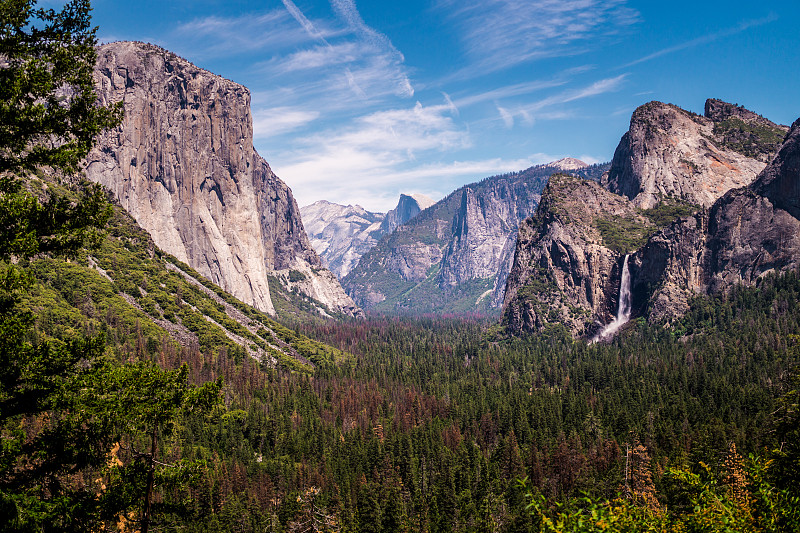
x: 623, y: 308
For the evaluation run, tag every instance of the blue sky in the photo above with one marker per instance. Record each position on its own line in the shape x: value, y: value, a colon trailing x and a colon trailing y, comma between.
x: 356, y: 102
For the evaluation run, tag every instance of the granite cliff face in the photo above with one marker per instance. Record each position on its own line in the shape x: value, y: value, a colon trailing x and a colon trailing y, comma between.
x: 455, y: 255
x: 183, y: 164
x: 568, y: 259
x: 669, y: 152
x: 408, y: 206
x: 746, y: 234
x: 564, y: 269
x: 342, y: 234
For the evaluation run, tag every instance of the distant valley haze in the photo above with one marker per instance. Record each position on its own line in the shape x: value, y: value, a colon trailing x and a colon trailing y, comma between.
x: 356, y: 103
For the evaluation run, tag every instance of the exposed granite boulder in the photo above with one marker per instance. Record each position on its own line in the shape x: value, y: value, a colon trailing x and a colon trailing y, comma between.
x: 567, y: 264
x: 779, y: 182
x: 183, y: 164
x: 669, y: 152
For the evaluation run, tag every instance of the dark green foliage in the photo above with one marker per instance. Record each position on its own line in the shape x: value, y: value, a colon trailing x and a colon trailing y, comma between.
x: 667, y: 210
x: 57, y: 224
x: 756, y: 139
x: 432, y: 423
x: 625, y: 235
x: 296, y: 275
x: 622, y: 234
x: 49, y: 115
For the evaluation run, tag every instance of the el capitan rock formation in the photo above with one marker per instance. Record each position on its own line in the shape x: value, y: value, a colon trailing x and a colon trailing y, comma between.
x: 183, y: 164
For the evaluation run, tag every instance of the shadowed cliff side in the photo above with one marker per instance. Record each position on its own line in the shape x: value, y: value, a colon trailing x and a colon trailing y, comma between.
x: 567, y: 265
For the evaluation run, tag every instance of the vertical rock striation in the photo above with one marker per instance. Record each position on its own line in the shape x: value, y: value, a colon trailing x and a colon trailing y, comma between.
x: 670, y: 163
x: 183, y: 164
x: 455, y: 255
x: 746, y: 234
x: 564, y: 270
x: 408, y: 206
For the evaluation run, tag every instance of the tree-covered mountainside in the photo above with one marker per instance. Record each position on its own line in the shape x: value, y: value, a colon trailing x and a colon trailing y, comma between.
x: 137, y: 396
x: 454, y: 257
x: 142, y: 298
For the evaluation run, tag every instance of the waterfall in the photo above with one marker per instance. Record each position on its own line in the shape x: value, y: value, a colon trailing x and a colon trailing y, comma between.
x: 623, y: 308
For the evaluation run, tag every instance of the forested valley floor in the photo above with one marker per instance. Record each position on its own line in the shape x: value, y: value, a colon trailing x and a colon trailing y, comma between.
x: 432, y: 423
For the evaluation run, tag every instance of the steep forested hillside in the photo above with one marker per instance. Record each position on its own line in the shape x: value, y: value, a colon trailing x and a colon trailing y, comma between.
x: 145, y: 300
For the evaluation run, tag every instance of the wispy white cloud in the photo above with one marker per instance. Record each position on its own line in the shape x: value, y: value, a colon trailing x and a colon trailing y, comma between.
x: 544, y: 108
x: 509, y: 91
x: 301, y: 19
x: 372, y: 148
x: 317, y: 57
x: 279, y: 120
x: 498, y: 34
x: 227, y: 36
x: 435, y: 180
x: 370, y: 57
x: 705, y: 39
x: 508, y: 118
x: 314, y: 58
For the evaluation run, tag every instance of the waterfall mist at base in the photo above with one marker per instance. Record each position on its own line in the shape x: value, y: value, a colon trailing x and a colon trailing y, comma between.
x: 623, y: 308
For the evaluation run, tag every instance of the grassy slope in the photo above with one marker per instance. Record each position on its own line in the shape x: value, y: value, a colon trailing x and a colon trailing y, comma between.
x: 142, y: 297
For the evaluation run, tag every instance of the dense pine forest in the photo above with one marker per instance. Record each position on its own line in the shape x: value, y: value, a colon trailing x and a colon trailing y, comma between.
x: 433, y: 422
x: 131, y: 399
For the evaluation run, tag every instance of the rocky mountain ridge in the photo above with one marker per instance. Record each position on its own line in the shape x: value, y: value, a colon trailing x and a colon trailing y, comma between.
x: 670, y: 152
x: 342, y: 234
x: 183, y: 164
x: 455, y: 255
x: 687, y: 232
x: 564, y: 271
x: 746, y: 234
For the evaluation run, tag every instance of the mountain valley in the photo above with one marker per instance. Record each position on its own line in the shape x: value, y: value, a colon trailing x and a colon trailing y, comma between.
x: 454, y: 256
x: 570, y: 347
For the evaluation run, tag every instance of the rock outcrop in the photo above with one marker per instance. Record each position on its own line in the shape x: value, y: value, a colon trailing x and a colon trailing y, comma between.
x: 455, y: 255
x: 342, y: 234
x: 564, y: 269
x: 407, y: 208
x: 672, y: 153
x: 746, y: 234
x: 743, y: 131
x: 568, y: 258
x: 183, y: 164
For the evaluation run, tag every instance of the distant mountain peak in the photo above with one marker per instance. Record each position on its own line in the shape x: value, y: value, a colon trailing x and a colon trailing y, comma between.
x: 423, y: 201
x: 567, y: 163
